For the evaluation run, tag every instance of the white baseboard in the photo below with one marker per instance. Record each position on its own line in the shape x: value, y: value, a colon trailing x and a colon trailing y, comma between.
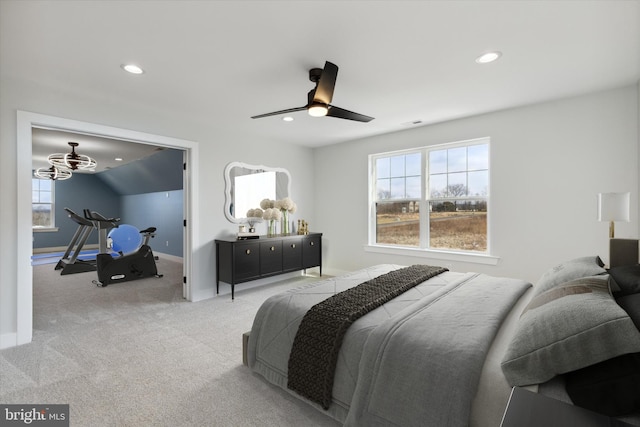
x: 167, y: 256
x: 8, y: 340
x: 203, y: 294
x: 60, y: 249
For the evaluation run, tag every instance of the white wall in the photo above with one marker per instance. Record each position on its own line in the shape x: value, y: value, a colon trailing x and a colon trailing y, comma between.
x: 216, y: 149
x: 548, y: 163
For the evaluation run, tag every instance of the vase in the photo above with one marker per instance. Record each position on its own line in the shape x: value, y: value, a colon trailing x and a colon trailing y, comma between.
x: 272, y: 227
x: 285, y: 222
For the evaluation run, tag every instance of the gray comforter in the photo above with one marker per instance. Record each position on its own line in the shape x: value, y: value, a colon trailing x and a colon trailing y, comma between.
x: 415, y: 361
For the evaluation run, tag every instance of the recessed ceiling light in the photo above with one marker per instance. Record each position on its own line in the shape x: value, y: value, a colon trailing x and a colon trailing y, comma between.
x: 118, y: 159
x: 132, y: 68
x: 485, y: 58
x: 287, y: 119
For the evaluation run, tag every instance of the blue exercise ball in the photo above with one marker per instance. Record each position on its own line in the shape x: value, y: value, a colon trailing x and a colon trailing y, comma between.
x: 125, y: 239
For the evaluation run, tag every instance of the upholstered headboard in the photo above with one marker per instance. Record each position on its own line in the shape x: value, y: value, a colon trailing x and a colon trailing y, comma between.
x: 623, y: 252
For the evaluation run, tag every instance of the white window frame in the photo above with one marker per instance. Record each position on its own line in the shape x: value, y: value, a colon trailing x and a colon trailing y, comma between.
x: 52, y: 227
x: 423, y: 250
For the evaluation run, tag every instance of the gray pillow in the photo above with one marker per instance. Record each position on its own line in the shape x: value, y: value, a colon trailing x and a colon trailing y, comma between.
x: 631, y: 304
x: 627, y: 277
x: 571, y: 326
x: 569, y: 270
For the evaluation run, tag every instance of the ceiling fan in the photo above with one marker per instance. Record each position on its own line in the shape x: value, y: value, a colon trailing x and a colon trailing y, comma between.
x: 319, y: 98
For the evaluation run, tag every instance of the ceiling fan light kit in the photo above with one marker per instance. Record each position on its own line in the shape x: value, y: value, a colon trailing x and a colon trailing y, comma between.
x: 73, y: 160
x: 317, y: 110
x: 53, y: 173
x: 319, y: 98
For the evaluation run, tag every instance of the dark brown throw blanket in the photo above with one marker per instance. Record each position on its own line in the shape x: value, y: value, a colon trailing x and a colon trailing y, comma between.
x: 313, y: 357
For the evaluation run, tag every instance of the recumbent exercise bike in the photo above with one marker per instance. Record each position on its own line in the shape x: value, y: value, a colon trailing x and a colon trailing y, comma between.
x: 126, y: 267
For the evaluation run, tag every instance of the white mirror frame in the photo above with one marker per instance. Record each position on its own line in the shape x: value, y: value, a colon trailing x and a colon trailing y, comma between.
x: 229, y: 183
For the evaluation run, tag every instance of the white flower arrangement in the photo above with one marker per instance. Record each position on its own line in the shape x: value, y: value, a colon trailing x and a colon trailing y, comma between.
x: 254, y: 215
x: 274, y: 210
x: 286, y: 204
x: 272, y: 214
x: 267, y: 204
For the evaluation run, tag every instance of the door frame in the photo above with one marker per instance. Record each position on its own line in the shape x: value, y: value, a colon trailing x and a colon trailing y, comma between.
x: 25, y: 122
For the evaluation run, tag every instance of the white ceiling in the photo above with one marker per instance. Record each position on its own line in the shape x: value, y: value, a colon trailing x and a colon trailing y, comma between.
x: 400, y: 61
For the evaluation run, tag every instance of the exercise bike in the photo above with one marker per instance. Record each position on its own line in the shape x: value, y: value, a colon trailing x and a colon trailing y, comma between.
x: 125, y: 267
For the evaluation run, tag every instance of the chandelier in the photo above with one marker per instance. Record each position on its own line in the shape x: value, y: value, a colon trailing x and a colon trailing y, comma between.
x: 53, y: 173
x: 72, y: 160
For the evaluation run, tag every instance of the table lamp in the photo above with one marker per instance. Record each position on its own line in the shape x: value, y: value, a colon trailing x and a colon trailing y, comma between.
x: 613, y: 207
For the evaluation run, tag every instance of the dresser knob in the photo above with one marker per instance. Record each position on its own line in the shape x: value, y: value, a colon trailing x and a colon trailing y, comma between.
x: 273, y: 248
x: 311, y: 243
x: 248, y: 251
x: 293, y: 245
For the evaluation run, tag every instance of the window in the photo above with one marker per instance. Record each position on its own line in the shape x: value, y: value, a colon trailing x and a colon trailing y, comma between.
x: 398, y: 193
x: 42, y: 203
x: 434, y: 197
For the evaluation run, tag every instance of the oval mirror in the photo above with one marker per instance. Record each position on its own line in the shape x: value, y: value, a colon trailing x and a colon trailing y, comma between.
x: 247, y: 185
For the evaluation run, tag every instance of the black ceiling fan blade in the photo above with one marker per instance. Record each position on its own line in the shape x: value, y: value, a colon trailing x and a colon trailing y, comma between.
x: 276, y: 113
x: 341, y: 113
x: 326, y: 84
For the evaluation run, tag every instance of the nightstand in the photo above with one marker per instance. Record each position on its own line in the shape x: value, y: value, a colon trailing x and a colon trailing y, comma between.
x: 528, y: 409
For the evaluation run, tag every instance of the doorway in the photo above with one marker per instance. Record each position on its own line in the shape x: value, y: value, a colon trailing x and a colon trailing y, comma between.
x: 26, y: 121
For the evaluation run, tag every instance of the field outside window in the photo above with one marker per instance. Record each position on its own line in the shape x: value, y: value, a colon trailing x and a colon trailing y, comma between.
x: 449, y: 212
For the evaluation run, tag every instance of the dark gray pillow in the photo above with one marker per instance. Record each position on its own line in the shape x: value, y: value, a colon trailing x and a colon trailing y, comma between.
x: 569, y: 327
x: 569, y: 270
x: 631, y: 304
x: 627, y: 277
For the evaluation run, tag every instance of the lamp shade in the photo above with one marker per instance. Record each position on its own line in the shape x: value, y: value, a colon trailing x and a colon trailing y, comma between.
x: 614, y: 206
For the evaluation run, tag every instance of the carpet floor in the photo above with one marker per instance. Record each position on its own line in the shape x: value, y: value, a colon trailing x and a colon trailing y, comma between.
x: 138, y: 354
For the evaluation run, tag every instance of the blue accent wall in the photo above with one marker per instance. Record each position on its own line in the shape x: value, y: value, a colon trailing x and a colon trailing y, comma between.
x: 160, y: 172
x: 81, y: 191
x: 163, y: 210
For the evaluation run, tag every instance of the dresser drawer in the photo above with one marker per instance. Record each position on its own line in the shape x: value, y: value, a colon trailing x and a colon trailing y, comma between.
x: 311, y: 251
x: 246, y: 261
x: 270, y: 257
x: 292, y: 254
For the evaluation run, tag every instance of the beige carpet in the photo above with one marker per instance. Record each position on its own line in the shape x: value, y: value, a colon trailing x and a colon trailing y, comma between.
x: 137, y: 354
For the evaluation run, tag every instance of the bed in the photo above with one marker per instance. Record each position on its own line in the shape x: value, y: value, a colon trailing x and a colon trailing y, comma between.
x: 446, y: 351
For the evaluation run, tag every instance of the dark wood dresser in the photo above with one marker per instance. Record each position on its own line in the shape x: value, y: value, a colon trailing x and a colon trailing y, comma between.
x: 239, y: 261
